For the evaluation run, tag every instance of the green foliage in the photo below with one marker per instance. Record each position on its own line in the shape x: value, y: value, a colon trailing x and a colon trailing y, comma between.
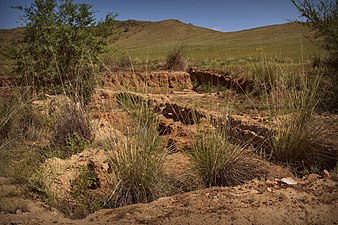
x: 17, y: 119
x: 61, y: 44
x: 321, y: 17
x: 175, y: 57
x: 20, y: 131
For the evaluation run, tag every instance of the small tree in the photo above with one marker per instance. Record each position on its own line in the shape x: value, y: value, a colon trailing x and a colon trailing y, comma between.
x: 61, y: 43
x: 321, y: 18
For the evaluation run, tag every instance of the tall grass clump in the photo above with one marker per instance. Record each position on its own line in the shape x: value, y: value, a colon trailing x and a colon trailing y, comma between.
x: 138, y: 163
x: 175, y: 59
x: 219, y: 162
x: 296, y: 136
x: 20, y: 131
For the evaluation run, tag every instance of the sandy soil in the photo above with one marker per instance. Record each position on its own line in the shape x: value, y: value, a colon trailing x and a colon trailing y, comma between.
x: 312, y: 201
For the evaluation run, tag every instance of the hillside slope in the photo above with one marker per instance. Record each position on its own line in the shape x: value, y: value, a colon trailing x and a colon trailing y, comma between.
x: 152, y: 39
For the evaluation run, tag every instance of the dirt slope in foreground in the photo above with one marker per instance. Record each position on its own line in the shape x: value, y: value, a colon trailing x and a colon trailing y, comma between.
x: 311, y: 201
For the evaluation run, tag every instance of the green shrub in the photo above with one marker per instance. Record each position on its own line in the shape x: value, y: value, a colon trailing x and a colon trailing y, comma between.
x: 322, y: 17
x: 60, y: 47
x: 86, y: 201
x: 175, y: 57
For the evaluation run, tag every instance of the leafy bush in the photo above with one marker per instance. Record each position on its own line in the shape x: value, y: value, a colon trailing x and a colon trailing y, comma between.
x: 322, y: 18
x: 60, y: 47
x: 219, y: 162
x: 175, y: 57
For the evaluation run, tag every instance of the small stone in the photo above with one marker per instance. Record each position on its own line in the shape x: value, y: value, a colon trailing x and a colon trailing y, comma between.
x: 326, y: 174
x: 289, y: 181
x: 18, y: 211
x: 254, y: 192
x: 269, y: 189
x: 270, y: 183
x: 312, y: 177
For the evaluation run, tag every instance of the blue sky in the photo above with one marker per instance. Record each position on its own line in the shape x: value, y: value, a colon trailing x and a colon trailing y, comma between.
x: 223, y: 15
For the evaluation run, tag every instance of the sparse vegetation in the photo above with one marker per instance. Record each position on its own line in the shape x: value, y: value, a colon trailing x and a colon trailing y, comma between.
x: 293, y: 100
x: 86, y: 201
x: 116, y: 59
x: 81, y: 151
x: 18, y: 124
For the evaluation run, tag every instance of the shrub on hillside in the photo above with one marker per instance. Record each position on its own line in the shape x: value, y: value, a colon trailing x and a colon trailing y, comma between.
x: 175, y: 57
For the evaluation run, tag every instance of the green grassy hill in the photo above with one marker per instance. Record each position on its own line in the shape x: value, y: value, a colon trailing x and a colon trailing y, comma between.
x: 152, y: 39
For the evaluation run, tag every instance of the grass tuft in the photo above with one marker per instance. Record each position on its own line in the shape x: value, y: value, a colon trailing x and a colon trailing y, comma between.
x: 219, y: 162
x: 297, y: 138
x: 175, y: 57
x: 138, y: 164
